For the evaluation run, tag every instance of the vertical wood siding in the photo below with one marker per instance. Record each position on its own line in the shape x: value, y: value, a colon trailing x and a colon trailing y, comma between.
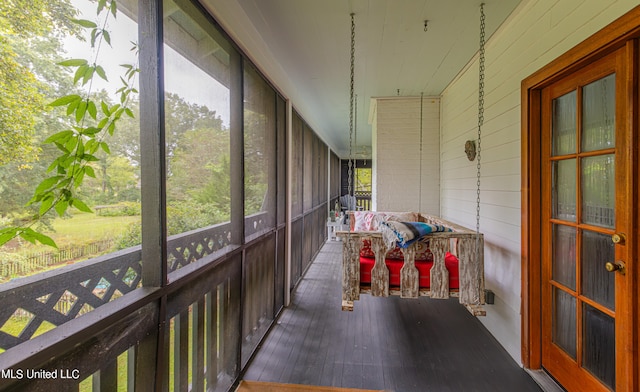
x: 537, y: 32
x: 398, y: 164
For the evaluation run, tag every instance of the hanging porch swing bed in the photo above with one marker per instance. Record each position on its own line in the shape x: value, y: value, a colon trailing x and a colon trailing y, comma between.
x: 411, y: 255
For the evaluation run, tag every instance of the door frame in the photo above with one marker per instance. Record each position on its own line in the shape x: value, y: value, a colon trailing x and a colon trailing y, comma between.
x: 622, y: 33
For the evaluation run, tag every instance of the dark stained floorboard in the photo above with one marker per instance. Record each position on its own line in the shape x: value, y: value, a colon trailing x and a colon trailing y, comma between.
x: 390, y: 343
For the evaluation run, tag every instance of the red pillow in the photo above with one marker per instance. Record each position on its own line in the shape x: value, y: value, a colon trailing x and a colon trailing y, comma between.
x: 424, y: 271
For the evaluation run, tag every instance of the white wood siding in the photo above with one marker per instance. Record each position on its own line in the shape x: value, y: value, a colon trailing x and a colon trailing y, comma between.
x: 536, y: 33
x: 396, y: 150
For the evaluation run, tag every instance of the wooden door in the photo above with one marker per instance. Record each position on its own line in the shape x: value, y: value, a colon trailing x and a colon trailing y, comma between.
x: 587, y: 204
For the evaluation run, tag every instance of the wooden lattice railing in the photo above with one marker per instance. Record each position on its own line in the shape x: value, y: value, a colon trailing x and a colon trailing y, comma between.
x: 467, y: 245
x: 46, y: 300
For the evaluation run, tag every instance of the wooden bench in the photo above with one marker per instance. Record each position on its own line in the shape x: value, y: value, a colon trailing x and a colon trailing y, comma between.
x: 461, y: 242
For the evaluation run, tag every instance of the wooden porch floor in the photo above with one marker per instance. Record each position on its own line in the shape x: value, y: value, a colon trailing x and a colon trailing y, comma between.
x: 390, y: 343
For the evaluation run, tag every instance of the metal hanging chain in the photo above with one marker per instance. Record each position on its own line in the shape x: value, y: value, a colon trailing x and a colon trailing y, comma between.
x: 480, y: 112
x: 355, y: 144
x: 421, y: 142
x: 351, y: 102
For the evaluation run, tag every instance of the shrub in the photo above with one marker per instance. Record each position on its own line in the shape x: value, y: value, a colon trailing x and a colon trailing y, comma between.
x: 125, y: 208
x: 181, y: 217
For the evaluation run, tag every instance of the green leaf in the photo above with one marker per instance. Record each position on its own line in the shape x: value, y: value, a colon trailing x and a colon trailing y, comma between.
x: 53, y: 165
x: 129, y: 112
x: 47, y: 203
x: 70, y: 145
x: 79, y: 204
x: 113, y: 8
x: 88, y: 75
x: 92, y: 146
x: 90, y: 130
x: 62, y: 137
x: 107, y: 37
x: 33, y: 236
x: 82, y: 109
x: 62, y: 147
x: 7, y: 234
x: 73, y: 62
x: 56, y: 163
x: 64, y: 183
x: 73, y: 106
x: 67, y: 99
x: 101, y: 5
x: 112, y: 128
x: 103, y: 123
x: 89, y: 158
x: 80, y: 150
x: 79, y: 178
x: 94, y: 35
x: 93, y: 111
x: 105, y: 109
x: 79, y: 73
x: 85, y: 23
x: 88, y: 170
x: 105, y: 147
x: 61, y: 207
x: 68, y: 161
x: 47, y: 183
x: 101, y: 73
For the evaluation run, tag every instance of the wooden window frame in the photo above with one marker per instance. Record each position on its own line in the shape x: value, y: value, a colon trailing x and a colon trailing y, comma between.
x: 622, y: 33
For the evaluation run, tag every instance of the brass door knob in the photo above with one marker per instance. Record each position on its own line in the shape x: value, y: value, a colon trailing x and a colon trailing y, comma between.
x: 619, y: 238
x: 617, y: 266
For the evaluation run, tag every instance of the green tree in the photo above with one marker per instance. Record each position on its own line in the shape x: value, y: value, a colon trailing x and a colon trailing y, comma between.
x: 182, y: 116
x: 24, y: 25
x: 198, y: 151
x: 78, y: 144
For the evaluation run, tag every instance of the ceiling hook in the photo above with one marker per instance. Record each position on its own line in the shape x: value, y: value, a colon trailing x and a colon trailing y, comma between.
x: 426, y: 25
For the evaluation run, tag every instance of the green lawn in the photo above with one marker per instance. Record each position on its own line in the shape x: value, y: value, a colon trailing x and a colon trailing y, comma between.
x: 81, y: 228
x: 85, y: 227
x: 75, y: 232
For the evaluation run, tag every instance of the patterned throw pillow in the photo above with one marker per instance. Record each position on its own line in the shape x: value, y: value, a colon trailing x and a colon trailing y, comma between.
x: 393, y: 217
x: 423, y: 253
x: 362, y: 221
x: 370, y: 220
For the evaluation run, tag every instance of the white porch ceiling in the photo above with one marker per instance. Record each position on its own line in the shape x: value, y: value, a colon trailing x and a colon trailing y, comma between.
x: 304, y: 46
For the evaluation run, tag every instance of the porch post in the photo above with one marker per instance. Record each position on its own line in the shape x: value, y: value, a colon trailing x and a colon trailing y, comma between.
x: 289, y: 191
x: 149, y: 360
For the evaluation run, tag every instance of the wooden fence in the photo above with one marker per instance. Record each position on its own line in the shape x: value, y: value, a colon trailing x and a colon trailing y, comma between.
x: 24, y: 265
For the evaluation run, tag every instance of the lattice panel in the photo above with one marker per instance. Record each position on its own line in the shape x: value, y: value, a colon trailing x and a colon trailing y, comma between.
x: 38, y: 303
x: 33, y: 305
x: 186, y: 248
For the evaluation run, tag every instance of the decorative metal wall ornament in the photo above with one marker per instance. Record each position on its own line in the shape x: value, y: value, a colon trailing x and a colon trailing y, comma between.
x: 470, y: 149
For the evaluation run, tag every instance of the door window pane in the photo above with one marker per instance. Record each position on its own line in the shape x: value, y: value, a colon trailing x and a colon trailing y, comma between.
x: 564, y: 255
x: 598, y: 190
x: 564, y: 321
x: 564, y: 190
x: 598, y: 118
x: 597, y: 282
x: 599, y: 340
x: 564, y: 124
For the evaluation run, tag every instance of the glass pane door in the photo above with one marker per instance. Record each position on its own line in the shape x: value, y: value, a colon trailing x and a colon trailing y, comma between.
x: 579, y: 295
